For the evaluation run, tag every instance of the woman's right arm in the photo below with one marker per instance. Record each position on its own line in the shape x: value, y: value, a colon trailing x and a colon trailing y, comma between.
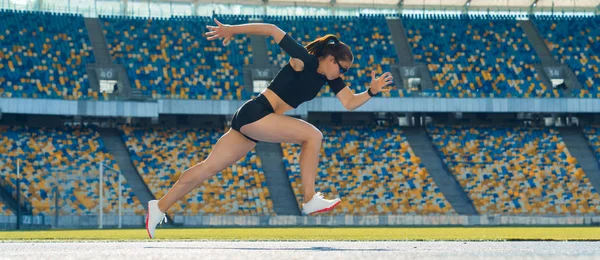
x: 228, y: 31
x: 289, y: 45
x: 265, y: 29
x: 286, y: 42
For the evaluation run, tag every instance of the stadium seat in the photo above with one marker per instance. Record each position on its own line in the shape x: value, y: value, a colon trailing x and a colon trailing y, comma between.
x: 61, y: 166
x: 476, y: 57
x: 44, y: 55
x: 4, y: 210
x: 172, y: 59
x: 575, y: 42
x: 592, y: 133
x: 162, y: 154
x: 373, y: 170
x: 516, y: 170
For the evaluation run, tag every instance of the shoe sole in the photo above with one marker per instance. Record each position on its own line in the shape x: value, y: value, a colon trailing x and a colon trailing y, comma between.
x: 325, y: 209
x: 147, y: 217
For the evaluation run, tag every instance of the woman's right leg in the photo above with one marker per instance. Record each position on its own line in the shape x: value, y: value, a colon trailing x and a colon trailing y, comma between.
x: 277, y: 128
x: 230, y: 148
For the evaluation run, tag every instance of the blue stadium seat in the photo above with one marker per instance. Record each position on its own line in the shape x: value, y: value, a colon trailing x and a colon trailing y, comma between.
x: 373, y: 170
x: 44, y: 55
x: 476, y: 57
x: 516, y: 170
x: 171, y: 58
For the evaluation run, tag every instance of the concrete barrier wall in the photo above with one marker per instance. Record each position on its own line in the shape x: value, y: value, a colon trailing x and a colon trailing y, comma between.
x: 111, y: 221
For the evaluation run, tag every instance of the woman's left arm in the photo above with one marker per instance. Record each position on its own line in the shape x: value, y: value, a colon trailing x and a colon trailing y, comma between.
x: 352, y: 101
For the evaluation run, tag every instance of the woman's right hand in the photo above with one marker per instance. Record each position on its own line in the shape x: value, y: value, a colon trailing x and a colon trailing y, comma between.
x: 220, y: 31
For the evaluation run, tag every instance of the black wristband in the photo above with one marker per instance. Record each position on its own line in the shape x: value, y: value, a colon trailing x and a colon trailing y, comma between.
x: 371, y: 93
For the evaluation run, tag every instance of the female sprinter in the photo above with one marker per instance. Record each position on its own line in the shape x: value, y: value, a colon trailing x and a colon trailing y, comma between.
x: 262, y: 119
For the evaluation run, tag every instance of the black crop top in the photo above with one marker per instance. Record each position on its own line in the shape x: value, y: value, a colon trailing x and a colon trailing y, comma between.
x: 296, y: 87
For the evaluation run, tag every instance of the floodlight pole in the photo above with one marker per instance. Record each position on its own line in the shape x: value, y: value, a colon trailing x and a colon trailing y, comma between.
x: 18, y: 194
x: 101, y: 213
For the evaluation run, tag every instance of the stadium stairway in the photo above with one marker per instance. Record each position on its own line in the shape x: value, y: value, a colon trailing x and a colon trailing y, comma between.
x: 104, y: 60
x: 403, y: 50
x: 424, y: 149
x: 115, y: 145
x: 538, y: 43
x: 260, y: 56
x: 282, y: 195
x: 11, y: 202
x: 540, y: 47
x: 579, y: 147
x: 405, y: 56
x: 97, y: 39
x: 260, y: 59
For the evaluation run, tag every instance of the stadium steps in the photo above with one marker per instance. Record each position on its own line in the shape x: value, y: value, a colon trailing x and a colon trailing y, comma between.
x: 579, y: 147
x: 403, y: 50
x: 278, y: 182
x: 115, y: 145
x: 424, y: 149
x: 571, y: 79
x: 248, y: 82
x: 104, y: 60
x: 90, y: 69
x: 260, y: 58
x: 538, y: 43
x: 125, y: 87
x: 7, y: 198
x: 541, y: 49
x: 405, y: 56
x: 426, y: 80
x: 96, y: 36
x: 260, y: 55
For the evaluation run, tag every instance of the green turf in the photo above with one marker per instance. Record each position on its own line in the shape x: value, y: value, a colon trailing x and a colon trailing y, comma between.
x: 318, y: 233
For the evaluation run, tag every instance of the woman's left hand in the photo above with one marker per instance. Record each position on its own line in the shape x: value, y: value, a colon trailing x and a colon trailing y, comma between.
x: 378, y: 83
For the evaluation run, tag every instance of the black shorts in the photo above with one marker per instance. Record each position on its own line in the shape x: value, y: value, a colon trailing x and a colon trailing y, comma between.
x: 251, y: 111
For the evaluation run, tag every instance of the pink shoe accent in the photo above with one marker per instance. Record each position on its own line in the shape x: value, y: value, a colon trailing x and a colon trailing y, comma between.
x: 147, y: 216
x: 325, y: 209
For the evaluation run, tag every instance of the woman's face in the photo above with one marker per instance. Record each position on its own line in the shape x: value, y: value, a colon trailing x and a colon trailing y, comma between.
x: 335, y: 68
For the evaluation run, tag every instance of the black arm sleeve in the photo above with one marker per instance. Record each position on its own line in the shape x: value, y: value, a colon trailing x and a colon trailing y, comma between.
x: 294, y: 49
x: 336, y: 85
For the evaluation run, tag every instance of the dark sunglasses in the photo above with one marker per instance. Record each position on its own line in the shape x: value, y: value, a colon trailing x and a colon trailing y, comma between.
x: 342, y: 69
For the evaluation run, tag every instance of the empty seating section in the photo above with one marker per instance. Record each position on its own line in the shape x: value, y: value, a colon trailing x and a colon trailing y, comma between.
x: 592, y: 133
x: 61, y: 165
x: 368, y: 37
x: 515, y: 170
x: 171, y: 58
x: 373, y: 170
x: 576, y: 43
x: 44, y: 55
x: 162, y: 154
x: 475, y: 57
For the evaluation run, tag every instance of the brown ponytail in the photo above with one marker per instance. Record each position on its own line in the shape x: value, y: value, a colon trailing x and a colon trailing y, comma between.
x: 330, y: 45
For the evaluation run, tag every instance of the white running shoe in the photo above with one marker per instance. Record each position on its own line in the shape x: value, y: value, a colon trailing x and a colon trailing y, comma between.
x: 318, y: 204
x: 154, y: 217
